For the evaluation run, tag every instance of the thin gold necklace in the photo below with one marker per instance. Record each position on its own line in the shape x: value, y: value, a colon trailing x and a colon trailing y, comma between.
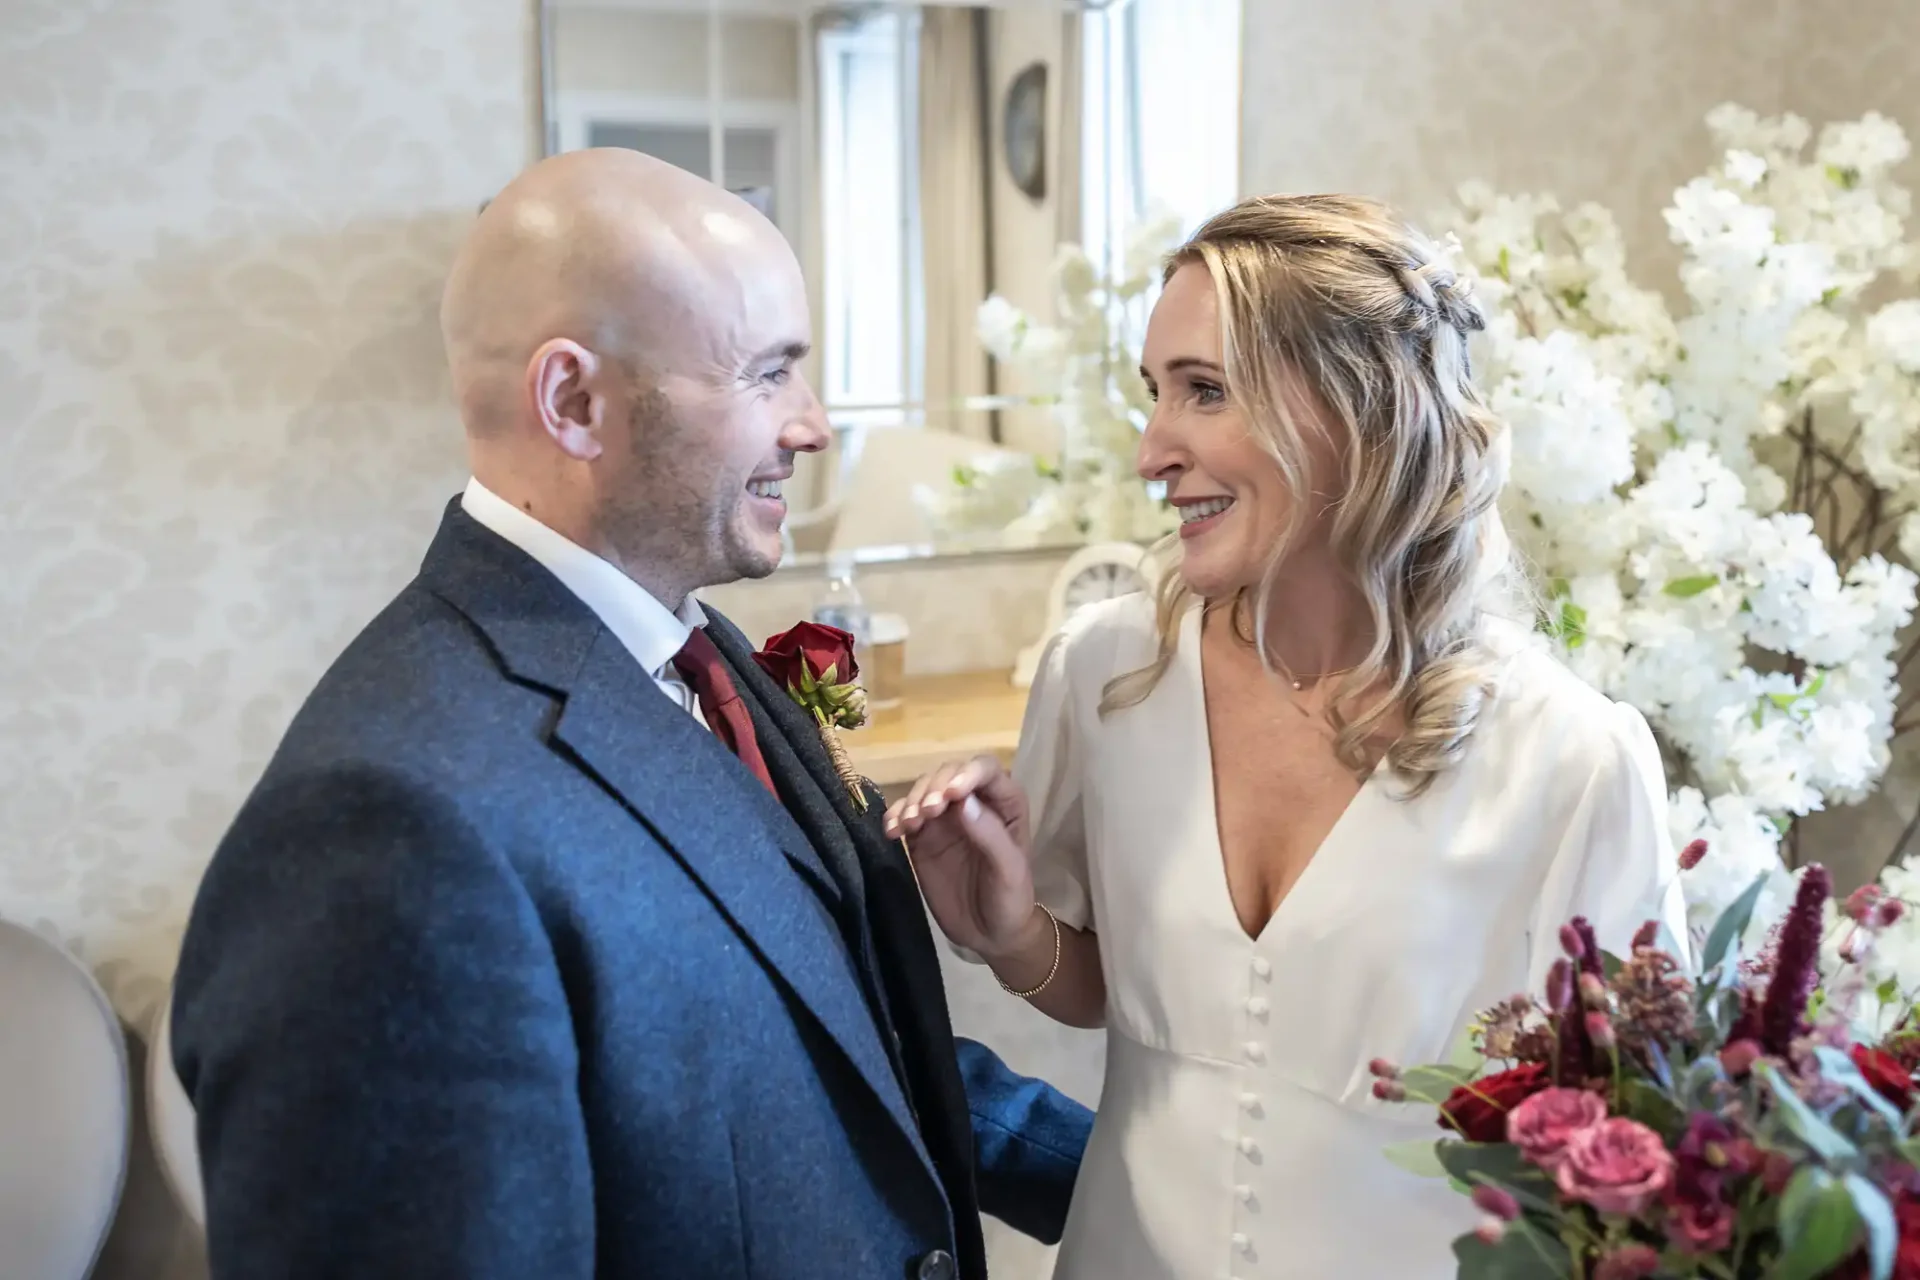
x: 1300, y: 683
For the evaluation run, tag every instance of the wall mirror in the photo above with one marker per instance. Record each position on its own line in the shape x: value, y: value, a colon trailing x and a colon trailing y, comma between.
x: 969, y: 187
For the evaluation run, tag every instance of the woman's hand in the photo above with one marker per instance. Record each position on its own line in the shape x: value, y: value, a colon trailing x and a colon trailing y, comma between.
x: 967, y: 830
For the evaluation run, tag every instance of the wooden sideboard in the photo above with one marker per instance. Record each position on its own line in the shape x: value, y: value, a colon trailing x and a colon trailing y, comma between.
x: 941, y: 718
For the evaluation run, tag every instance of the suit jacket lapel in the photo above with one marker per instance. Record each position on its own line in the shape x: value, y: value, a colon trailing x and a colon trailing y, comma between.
x: 903, y: 940
x: 674, y: 776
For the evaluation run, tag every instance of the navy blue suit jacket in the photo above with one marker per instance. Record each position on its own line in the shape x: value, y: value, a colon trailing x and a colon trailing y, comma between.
x: 508, y: 970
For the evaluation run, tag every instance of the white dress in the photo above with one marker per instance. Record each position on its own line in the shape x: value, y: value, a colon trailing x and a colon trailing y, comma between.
x: 1237, y: 1133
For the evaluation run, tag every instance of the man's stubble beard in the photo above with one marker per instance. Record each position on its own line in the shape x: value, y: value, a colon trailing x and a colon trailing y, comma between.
x: 674, y: 522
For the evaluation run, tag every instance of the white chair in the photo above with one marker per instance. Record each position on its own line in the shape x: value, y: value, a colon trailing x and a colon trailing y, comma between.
x: 65, y: 1107
x: 170, y: 1119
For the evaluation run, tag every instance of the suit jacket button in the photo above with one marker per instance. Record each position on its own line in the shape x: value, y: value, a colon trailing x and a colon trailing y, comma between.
x: 937, y: 1265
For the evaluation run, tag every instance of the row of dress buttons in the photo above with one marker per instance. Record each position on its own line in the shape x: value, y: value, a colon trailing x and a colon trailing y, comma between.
x: 1256, y: 1052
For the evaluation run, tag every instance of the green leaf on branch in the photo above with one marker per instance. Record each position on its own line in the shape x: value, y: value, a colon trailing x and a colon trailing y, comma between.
x: 1687, y: 588
x: 1417, y: 1157
x: 1818, y: 1226
x: 1838, y: 1067
x: 1573, y: 624
x: 1785, y: 701
x: 1804, y: 1122
x: 1505, y: 265
x: 1731, y: 925
x: 1524, y: 1253
x: 1652, y: 1106
x: 1883, y: 1231
x: 1434, y: 1083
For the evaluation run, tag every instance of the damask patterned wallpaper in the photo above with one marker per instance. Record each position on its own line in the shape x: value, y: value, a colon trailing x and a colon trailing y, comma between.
x: 1406, y: 98
x: 223, y: 432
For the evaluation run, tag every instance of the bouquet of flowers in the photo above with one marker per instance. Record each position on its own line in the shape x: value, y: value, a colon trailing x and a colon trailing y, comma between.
x: 1638, y: 1123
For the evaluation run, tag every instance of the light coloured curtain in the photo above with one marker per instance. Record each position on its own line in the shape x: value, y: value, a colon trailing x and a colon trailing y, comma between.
x: 953, y: 213
x: 1067, y: 110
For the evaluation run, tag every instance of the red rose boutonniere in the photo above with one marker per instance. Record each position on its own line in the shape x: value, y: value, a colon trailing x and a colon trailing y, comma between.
x: 816, y: 666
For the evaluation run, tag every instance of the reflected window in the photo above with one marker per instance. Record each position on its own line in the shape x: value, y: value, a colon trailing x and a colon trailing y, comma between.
x: 1162, y: 116
x: 868, y: 136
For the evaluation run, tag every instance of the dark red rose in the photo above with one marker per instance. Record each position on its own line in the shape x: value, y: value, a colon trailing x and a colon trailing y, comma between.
x: 1478, y: 1112
x: 813, y: 646
x: 1906, y: 1261
x: 1888, y: 1076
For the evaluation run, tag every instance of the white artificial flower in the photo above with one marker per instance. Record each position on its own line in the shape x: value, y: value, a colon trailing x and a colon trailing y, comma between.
x: 1742, y: 846
x: 1000, y: 326
x: 1644, y: 450
x: 1893, y: 334
x: 1075, y: 278
x: 1867, y: 146
x: 1572, y: 438
x: 1745, y: 169
x: 1089, y: 356
x: 1148, y: 243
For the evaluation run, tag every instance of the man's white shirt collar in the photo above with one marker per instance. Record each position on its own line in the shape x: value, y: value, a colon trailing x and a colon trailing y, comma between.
x: 651, y: 632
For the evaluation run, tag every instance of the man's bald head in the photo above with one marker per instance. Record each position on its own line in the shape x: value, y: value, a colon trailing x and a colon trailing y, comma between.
x: 611, y: 248
x: 623, y: 338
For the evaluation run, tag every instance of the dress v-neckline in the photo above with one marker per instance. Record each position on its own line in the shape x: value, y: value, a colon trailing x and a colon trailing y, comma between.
x: 1190, y: 640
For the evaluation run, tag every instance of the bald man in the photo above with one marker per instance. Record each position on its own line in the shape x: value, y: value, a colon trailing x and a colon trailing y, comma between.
x: 550, y: 946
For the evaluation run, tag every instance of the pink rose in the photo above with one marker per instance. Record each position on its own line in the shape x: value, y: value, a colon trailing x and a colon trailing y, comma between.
x: 1542, y: 1125
x: 1616, y: 1166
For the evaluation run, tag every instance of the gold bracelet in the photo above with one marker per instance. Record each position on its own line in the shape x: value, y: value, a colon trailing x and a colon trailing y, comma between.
x: 1051, y: 971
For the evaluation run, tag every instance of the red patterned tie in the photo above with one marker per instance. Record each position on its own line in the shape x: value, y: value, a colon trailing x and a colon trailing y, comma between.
x: 701, y: 666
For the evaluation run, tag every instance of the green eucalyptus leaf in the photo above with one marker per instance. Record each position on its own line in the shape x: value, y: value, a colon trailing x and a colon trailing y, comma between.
x: 1498, y: 1164
x: 1803, y: 1122
x: 1818, y: 1226
x: 1657, y: 1065
x: 1464, y: 1054
x: 1839, y: 1068
x: 1883, y: 1231
x: 1731, y: 925
x: 1652, y: 1106
x: 1417, y: 1157
x: 1434, y: 1082
x: 1524, y: 1253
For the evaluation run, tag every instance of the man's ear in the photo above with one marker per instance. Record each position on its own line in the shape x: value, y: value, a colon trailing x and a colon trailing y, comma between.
x: 568, y: 398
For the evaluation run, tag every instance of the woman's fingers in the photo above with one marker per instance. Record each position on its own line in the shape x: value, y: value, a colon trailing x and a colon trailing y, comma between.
x: 942, y: 789
x: 907, y: 814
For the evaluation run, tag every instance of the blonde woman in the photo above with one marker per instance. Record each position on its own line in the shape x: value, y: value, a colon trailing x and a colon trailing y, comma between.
x: 1316, y: 804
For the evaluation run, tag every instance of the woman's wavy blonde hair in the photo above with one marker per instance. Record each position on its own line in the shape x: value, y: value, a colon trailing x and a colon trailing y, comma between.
x: 1333, y: 295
